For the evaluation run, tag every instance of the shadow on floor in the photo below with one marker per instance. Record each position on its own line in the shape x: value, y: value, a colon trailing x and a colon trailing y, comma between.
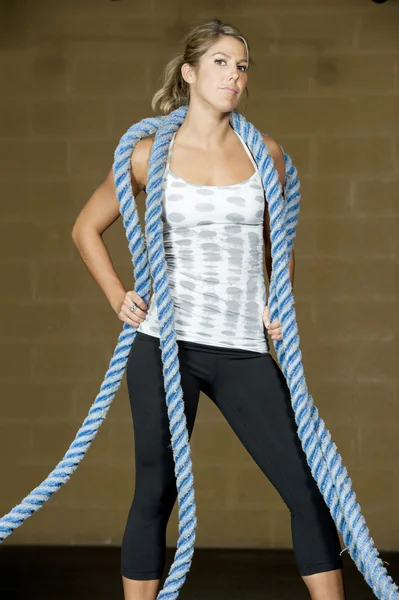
x: 77, y: 573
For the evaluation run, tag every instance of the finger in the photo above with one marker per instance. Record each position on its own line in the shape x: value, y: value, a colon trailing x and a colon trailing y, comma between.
x: 139, y: 310
x: 135, y: 317
x: 129, y: 304
x: 130, y: 317
x: 277, y: 331
x: 133, y: 298
x: 128, y: 321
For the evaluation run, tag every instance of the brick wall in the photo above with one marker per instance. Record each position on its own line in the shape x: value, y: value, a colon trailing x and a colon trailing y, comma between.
x: 75, y: 74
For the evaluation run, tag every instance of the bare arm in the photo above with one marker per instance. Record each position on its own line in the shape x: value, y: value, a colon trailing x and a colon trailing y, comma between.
x: 101, y: 210
x: 279, y: 163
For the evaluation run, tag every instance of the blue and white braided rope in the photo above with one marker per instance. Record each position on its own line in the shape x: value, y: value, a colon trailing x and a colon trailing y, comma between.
x: 149, y: 261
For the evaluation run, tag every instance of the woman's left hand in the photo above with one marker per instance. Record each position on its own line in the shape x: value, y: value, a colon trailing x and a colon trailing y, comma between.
x: 274, y: 329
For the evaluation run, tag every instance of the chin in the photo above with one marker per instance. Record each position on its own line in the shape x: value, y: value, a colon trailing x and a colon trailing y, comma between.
x: 227, y: 105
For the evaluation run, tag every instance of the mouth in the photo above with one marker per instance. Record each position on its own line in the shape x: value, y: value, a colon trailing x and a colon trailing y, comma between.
x: 232, y: 91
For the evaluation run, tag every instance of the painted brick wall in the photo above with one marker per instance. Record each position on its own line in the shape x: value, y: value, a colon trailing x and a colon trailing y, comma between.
x: 75, y: 74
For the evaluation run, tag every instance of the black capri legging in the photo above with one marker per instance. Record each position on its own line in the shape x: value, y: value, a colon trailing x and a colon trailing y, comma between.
x: 251, y: 392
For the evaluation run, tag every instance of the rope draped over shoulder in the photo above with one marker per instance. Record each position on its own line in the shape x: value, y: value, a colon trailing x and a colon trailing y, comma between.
x: 149, y: 262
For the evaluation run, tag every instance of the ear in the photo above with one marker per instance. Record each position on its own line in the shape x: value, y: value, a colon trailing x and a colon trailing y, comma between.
x: 187, y: 73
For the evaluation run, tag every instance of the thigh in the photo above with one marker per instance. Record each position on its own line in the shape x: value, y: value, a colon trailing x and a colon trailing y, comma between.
x: 253, y: 395
x: 144, y: 374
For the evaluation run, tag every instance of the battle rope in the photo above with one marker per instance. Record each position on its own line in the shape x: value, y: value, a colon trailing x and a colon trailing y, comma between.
x: 149, y: 261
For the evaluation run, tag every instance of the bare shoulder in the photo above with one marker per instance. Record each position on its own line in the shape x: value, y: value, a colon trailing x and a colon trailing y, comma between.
x: 140, y: 159
x: 277, y: 155
x: 273, y: 147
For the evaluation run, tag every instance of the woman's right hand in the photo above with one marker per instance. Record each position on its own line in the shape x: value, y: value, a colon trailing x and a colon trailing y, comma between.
x: 126, y: 315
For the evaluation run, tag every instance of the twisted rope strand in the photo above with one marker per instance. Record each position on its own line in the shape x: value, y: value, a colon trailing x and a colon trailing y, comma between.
x: 149, y: 262
x: 315, y: 439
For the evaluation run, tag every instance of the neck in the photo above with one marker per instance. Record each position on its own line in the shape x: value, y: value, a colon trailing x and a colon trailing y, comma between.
x: 204, y: 127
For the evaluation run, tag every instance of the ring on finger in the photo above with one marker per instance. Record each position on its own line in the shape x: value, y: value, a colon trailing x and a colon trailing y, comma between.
x: 134, y: 307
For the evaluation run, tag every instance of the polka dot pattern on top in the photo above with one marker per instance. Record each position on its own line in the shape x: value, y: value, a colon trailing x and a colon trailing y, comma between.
x: 213, y: 239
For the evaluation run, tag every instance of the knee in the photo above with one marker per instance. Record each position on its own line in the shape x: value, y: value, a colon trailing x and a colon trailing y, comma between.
x: 154, y: 500
x: 309, y: 501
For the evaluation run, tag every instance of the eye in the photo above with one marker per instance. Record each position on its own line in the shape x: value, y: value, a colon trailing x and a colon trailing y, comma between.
x: 242, y: 68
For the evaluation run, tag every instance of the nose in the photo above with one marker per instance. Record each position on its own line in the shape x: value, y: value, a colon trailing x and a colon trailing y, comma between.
x: 234, y: 74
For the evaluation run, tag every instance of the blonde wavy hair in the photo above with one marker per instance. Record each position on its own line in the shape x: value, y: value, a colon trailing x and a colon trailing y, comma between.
x: 175, y: 91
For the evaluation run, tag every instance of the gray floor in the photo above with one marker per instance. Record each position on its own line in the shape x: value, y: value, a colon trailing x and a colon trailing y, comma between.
x: 77, y: 573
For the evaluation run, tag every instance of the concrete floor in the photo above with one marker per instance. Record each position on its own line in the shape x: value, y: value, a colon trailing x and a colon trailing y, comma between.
x: 77, y: 573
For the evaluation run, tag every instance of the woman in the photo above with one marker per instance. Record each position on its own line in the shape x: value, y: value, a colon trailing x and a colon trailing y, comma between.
x: 215, y: 231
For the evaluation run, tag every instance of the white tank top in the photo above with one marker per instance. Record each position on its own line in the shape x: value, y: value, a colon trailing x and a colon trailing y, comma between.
x: 213, y: 240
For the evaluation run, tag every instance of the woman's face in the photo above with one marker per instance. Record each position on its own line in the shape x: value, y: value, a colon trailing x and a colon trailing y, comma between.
x: 221, y: 76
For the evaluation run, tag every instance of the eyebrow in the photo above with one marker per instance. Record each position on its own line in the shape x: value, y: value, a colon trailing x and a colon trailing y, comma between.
x: 228, y: 56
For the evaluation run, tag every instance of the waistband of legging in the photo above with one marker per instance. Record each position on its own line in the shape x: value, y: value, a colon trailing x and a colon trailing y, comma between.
x: 202, y: 347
